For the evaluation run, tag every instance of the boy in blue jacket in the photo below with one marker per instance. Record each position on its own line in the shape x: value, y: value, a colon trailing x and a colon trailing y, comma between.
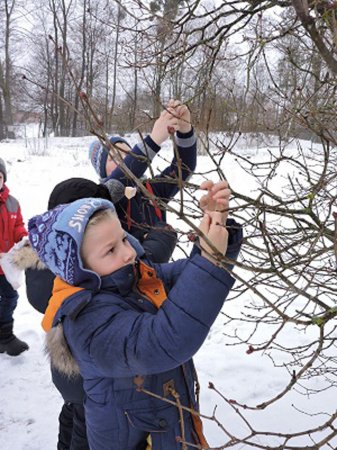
x: 139, y: 215
x: 131, y: 328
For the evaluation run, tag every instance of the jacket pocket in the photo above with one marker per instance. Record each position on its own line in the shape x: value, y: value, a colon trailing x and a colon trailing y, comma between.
x: 158, y: 420
x: 163, y: 425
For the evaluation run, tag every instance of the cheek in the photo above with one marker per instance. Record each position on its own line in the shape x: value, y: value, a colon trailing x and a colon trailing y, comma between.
x: 110, y: 166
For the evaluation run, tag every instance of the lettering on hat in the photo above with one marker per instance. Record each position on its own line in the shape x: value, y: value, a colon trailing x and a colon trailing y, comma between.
x: 81, y: 215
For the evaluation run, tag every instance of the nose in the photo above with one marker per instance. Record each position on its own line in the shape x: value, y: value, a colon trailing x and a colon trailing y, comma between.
x: 130, y: 253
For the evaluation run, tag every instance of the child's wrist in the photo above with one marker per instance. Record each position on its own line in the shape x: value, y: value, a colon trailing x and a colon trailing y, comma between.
x: 152, y: 143
x: 185, y: 134
x: 186, y: 129
x: 156, y: 139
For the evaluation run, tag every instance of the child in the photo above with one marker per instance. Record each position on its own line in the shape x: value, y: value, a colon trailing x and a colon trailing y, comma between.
x: 125, y: 334
x: 139, y: 214
x: 39, y: 284
x: 12, y: 230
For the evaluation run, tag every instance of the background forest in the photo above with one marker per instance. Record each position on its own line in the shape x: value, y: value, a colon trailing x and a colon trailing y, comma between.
x: 256, y: 66
x: 262, y: 70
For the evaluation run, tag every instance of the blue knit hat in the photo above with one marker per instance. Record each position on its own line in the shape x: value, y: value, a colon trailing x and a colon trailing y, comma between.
x: 98, y: 154
x: 57, y: 235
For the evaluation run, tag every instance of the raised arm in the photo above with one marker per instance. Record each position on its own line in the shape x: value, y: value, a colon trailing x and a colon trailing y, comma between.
x: 165, y: 185
x: 145, y: 343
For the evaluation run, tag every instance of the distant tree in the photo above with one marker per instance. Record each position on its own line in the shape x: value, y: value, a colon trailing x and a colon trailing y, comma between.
x: 2, y: 126
x: 165, y: 12
x: 6, y: 67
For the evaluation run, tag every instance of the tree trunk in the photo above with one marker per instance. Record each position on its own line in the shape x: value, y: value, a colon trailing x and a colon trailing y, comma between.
x: 115, y: 59
x: 7, y: 95
x: 2, y: 130
x: 80, y: 83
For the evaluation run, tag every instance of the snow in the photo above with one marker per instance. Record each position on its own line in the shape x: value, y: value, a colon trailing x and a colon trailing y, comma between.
x: 30, y: 404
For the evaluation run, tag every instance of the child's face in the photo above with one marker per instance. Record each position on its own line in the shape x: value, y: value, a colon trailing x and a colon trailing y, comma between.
x: 105, y: 247
x: 110, y: 163
x: 2, y: 179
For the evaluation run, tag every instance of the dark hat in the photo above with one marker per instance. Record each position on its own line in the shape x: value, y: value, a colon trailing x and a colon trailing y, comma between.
x: 98, y: 154
x: 68, y: 191
x: 3, y: 169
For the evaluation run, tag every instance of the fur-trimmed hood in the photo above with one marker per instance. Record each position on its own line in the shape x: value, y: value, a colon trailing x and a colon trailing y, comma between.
x: 59, y: 353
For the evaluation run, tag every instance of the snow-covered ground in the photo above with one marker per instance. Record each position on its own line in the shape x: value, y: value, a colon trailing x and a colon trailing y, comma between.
x: 29, y: 403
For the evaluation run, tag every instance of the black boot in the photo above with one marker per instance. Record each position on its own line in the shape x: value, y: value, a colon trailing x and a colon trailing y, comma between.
x: 9, y: 343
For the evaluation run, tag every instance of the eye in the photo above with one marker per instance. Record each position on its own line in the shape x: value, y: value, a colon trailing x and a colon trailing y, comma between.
x: 125, y: 239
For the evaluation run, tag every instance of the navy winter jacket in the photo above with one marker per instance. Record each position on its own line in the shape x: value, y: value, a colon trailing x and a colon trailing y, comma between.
x: 121, y: 341
x: 138, y: 215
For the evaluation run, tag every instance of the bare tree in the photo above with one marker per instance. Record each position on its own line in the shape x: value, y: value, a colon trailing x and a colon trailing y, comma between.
x: 243, y: 69
x: 6, y: 63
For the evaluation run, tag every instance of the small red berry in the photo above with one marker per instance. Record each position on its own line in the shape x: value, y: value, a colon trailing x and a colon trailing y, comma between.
x: 83, y: 96
x: 191, y: 237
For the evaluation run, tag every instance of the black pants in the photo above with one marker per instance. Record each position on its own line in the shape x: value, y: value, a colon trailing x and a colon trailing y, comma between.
x: 8, y: 300
x: 72, y: 431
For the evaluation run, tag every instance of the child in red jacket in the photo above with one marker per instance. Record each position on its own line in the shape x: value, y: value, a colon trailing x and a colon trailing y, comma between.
x: 12, y: 230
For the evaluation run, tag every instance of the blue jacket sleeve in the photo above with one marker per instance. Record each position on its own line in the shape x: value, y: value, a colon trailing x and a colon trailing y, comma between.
x: 143, y: 153
x: 159, y: 243
x: 122, y: 341
x: 187, y: 153
x: 137, y: 160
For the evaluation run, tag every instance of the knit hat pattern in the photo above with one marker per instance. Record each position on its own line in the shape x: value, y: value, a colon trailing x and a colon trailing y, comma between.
x: 98, y: 157
x: 98, y: 154
x: 3, y: 169
x: 57, y: 235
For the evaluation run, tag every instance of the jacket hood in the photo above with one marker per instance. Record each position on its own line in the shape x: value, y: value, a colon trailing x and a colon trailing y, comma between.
x: 57, y: 235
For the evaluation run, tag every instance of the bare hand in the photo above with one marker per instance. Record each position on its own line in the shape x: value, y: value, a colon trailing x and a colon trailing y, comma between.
x: 163, y: 126
x: 183, y: 113
x: 217, y: 197
x: 212, y: 226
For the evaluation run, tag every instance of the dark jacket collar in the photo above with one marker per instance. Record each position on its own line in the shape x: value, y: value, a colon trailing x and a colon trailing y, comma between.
x: 121, y: 281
